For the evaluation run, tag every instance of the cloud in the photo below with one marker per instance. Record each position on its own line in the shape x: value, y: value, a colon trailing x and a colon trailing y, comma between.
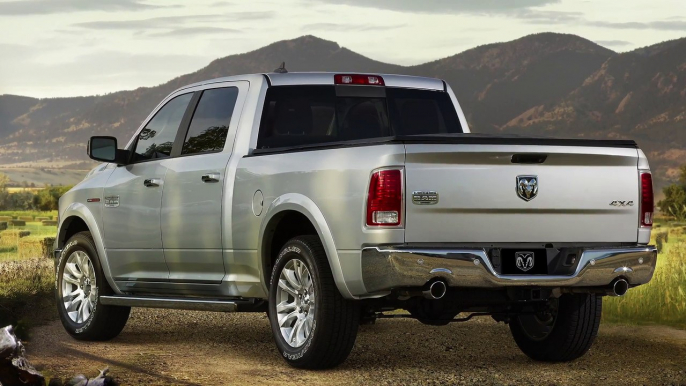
x: 180, y: 32
x: 445, y: 6
x: 42, y: 7
x: 349, y: 27
x: 613, y: 43
x: 96, y: 72
x: 174, y: 22
x: 663, y: 25
x: 547, y: 17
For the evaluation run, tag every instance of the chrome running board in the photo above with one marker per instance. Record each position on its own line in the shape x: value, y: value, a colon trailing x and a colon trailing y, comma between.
x: 172, y: 303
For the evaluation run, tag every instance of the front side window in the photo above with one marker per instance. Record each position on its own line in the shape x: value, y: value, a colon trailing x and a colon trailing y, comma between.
x: 157, y: 138
x: 308, y: 115
x: 211, y: 120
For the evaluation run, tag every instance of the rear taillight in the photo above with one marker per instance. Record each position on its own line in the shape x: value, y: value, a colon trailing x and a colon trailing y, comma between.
x: 646, y: 199
x: 368, y: 80
x: 385, y: 198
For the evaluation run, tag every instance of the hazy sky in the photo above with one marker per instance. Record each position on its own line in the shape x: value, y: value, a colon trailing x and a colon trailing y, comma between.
x: 51, y: 48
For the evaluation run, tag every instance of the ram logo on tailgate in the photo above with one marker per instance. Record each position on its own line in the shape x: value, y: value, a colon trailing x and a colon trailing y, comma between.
x: 527, y: 187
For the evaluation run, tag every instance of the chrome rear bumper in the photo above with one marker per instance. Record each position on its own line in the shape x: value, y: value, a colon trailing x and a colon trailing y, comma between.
x: 385, y: 268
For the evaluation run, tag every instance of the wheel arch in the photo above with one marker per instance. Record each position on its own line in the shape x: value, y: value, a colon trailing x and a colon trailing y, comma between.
x: 295, y: 209
x: 78, y: 218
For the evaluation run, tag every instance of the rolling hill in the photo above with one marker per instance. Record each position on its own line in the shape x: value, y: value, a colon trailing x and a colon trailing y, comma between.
x: 545, y: 84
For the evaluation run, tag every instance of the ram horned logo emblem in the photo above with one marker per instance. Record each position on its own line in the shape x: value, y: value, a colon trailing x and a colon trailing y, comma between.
x: 524, y: 260
x: 527, y: 187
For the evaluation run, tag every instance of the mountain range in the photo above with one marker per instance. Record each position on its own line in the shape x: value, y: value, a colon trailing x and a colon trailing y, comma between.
x: 545, y: 84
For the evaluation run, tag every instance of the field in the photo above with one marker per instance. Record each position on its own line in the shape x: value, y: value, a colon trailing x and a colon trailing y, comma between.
x: 19, y: 189
x: 14, y: 246
x: 25, y: 275
x: 663, y: 300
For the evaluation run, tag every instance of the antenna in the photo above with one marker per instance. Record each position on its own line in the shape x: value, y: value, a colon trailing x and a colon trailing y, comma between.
x: 282, y: 69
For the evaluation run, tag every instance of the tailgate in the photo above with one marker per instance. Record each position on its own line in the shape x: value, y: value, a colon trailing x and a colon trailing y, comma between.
x: 478, y: 198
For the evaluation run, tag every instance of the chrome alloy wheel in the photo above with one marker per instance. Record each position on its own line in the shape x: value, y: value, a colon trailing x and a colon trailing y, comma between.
x: 79, y: 287
x: 295, y: 309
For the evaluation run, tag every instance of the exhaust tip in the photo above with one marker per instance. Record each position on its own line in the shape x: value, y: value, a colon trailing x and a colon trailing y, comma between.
x: 620, y: 287
x: 436, y: 290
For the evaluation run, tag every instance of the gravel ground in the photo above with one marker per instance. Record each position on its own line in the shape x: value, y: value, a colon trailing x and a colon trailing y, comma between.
x: 189, y: 348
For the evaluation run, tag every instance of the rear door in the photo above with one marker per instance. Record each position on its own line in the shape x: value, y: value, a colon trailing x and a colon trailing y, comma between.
x: 133, y: 197
x: 191, y: 216
x: 576, y: 194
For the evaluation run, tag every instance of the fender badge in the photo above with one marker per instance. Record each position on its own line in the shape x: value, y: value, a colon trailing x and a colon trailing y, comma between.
x: 425, y: 198
x: 111, y: 201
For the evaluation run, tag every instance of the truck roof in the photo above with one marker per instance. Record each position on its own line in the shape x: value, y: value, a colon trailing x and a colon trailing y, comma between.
x: 327, y: 78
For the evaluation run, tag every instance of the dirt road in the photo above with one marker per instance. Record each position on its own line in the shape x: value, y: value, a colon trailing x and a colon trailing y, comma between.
x: 188, y: 348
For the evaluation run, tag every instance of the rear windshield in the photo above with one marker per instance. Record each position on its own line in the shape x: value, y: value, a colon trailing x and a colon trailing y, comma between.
x: 309, y: 115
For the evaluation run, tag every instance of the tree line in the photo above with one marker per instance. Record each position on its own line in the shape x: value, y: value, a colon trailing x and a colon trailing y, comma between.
x: 674, y: 203
x: 44, y: 199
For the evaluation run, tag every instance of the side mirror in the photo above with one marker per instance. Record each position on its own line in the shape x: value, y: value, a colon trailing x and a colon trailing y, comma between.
x: 105, y: 149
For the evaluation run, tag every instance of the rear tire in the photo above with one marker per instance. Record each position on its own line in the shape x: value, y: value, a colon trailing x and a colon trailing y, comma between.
x: 562, y: 336
x: 79, y: 276
x: 313, y: 325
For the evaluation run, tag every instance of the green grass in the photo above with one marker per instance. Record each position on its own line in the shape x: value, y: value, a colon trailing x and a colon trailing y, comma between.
x: 33, y: 213
x: 663, y: 300
x: 12, y: 247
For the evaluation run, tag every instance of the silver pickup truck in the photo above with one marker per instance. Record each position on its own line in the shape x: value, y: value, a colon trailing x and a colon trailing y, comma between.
x: 328, y: 200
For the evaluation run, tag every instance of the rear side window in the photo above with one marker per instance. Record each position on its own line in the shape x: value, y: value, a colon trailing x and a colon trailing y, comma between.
x: 306, y: 115
x: 211, y: 119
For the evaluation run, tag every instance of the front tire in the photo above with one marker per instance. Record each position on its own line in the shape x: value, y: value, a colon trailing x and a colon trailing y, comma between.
x: 563, y: 334
x: 313, y: 325
x: 78, y: 284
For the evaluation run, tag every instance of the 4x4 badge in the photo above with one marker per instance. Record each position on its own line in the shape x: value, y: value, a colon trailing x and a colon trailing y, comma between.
x: 527, y: 187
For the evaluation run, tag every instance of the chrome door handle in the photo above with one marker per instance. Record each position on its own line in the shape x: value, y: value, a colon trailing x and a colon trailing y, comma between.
x: 210, y: 177
x: 152, y: 182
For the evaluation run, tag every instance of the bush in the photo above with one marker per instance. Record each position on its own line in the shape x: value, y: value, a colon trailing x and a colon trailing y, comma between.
x: 18, y: 223
x: 42, y: 218
x: 48, y: 199
x: 51, y: 223
x: 3, y: 226
x: 44, y: 200
x: 660, y: 239
x: 6, y: 218
x: 26, y: 218
x: 674, y: 203
x: 22, y: 279
x: 26, y: 293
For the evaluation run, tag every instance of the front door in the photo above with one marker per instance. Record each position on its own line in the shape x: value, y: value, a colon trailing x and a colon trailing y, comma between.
x: 194, y: 187
x: 133, y: 199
